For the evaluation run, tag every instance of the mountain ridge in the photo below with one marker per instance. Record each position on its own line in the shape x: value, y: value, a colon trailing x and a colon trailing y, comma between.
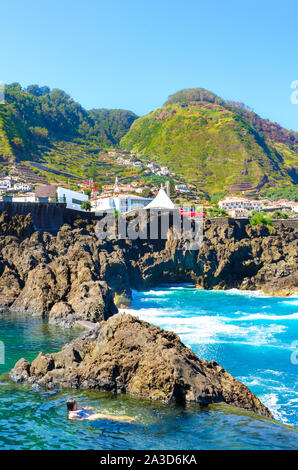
x: 206, y: 141
x: 215, y: 143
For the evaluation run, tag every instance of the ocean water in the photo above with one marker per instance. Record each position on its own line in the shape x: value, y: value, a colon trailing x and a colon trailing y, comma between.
x: 249, y: 334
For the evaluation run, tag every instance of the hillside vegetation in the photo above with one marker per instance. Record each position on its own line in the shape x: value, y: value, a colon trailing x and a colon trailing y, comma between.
x: 214, y: 144
x: 37, y: 121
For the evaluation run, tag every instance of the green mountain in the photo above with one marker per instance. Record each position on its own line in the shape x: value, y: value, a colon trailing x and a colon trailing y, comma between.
x: 215, y: 144
x: 39, y: 124
x: 212, y: 144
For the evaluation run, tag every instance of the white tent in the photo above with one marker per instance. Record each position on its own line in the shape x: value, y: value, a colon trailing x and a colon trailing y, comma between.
x: 161, y: 201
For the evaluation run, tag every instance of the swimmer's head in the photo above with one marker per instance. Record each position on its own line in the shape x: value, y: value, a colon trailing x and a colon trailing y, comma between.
x: 71, y: 404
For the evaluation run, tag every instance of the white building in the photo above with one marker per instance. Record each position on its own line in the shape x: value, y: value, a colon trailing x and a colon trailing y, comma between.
x: 73, y: 199
x: 5, y: 183
x: 27, y: 197
x: 182, y: 188
x: 152, y: 166
x: 22, y: 186
x: 164, y: 170
x: 238, y: 212
x: 286, y: 204
x: 120, y: 203
x: 234, y: 202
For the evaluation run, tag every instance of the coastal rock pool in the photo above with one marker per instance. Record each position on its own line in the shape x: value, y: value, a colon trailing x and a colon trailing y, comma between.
x: 249, y: 334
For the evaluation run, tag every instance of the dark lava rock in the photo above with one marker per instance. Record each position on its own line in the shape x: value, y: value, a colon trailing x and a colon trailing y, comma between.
x: 127, y: 355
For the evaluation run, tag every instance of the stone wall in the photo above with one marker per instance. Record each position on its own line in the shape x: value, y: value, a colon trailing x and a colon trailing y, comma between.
x: 46, y: 216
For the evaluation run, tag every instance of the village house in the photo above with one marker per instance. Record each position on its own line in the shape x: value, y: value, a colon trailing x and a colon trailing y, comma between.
x: 22, y: 186
x: 73, y: 199
x: 46, y: 193
x: 120, y: 203
x: 235, y: 202
x: 123, y: 161
x: 152, y: 166
x: 282, y: 204
x: 118, y: 197
x: 238, y: 212
x: 26, y: 197
x: 5, y: 183
x: 181, y: 188
x: 50, y: 193
x: 164, y: 170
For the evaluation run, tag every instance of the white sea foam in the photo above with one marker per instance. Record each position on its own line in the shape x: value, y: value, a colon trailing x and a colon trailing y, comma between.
x: 154, y: 292
x: 198, y: 323
x: 273, y: 372
x: 290, y: 302
x: 261, y: 316
x: 208, y: 329
x: 279, y: 397
x: 271, y: 400
x: 247, y: 293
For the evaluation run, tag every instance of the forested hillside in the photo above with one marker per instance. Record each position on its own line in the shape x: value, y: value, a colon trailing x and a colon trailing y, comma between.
x: 37, y: 116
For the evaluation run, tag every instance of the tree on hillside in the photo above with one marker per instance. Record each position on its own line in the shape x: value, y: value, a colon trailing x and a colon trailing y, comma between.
x: 39, y: 133
x: 147, y: 192
x: 92, y: 172
x: 86, y: 206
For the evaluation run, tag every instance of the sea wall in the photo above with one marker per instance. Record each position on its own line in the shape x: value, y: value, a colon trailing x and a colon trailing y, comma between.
x: 46, y: 216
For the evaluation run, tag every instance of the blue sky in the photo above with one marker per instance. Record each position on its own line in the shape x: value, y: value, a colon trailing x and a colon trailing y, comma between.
x: 132, y: 54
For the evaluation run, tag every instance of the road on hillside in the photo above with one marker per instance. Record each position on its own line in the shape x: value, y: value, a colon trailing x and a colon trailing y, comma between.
x: 39, y: 166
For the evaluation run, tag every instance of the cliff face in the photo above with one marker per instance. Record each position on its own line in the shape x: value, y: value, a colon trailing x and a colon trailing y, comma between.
x: 74, y: 275
x: 127, y: 355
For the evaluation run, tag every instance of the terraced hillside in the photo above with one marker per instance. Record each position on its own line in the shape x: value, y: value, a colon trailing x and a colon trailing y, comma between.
x: 214, y: 144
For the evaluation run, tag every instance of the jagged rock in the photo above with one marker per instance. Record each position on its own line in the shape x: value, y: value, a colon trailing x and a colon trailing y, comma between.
x: 18, y: 225
x: 61, y: 314
x: 77, y: 270
x: 127, y: 355
x: 10, y: 287
x: 21, y: 371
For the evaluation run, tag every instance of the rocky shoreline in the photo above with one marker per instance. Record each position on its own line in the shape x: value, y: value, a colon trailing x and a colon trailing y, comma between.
x: 127, y: 355
x: 74, y: 276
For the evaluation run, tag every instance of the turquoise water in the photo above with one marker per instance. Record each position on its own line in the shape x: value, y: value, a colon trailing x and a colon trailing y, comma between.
x: 251, y: 336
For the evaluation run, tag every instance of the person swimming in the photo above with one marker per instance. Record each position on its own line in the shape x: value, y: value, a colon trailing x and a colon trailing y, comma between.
x: 86, y: 413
